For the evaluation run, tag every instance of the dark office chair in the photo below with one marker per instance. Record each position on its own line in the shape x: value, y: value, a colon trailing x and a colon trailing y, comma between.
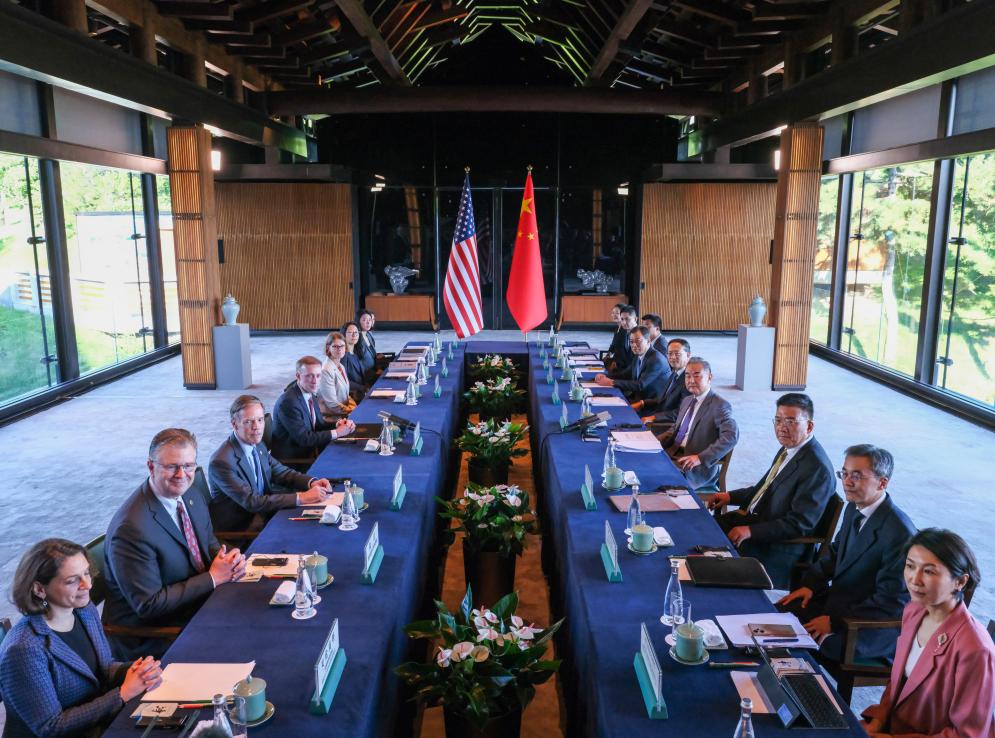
x: 298, y: 464
x: 720, y: 484
x: 821, y: 537
x: 234, y: 538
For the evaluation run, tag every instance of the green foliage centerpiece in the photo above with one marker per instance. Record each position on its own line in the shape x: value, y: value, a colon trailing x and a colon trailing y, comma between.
x: 491, y: 446
x: 494, y: 398
x: 491, y: 366
x: 486, y: 667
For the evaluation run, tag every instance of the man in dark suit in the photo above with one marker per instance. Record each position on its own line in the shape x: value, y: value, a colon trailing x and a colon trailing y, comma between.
x: 654, y: 324
x: 705, y: 430
x: 299, y: 431
x: 647, y: 374
x: 660, y: 411
x: 620, y: 332
x: 788, y: 502
x: 861, y: 575
x: 620, y: 349
x: 247, y: 484
x: 162, y: 559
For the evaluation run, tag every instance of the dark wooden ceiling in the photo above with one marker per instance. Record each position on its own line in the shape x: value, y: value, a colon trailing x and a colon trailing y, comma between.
x: 645, y: 44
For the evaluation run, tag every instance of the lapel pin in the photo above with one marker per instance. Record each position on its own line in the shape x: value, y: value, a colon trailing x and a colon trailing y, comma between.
x: 941, y: 639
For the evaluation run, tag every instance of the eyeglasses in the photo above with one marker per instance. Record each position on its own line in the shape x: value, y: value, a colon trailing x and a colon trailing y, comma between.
x: 787, y: 422
x: 854, y: 476
x: 173, y: 468
x: 249, y: 422
x: 338, y: 345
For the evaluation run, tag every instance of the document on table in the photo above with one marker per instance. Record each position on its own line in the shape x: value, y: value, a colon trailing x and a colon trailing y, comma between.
x: 197, y: 682
x: 640, y: 442
x: 748, y: 685
x: 590, y: 385
x: 608, y: 401
x: 737, y: 628
x: 336, y: 498
x: 386, y: 393
x: 255, y: 573
x: 398, y: 375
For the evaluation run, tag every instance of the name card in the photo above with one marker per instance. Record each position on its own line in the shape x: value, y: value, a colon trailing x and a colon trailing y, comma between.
x: 450, y: 351
x: 549, y: 376
x: 372, y: 555
x: 555, y: 396
x: 444, y: 371
x: 327, y: 672
x: 399, y: 490
x: 587, y: 490
x: 564, y: 417
x: 650, y: 678
x: 609, y: 556
x: 416, y: 441
x: 437, y: 392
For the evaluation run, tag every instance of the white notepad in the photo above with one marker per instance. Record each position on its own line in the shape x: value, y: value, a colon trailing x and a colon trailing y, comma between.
x: 197, y: 682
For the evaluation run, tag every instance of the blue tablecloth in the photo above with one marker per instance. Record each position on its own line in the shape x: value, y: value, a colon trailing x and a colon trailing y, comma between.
x: 236, y: 623
x: 601, y: 634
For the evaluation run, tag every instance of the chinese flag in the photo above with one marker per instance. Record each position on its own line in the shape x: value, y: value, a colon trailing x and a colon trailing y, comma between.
x: 526, y: 293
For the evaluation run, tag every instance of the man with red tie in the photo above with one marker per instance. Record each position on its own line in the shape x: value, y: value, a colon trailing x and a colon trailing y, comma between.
x: 299, y: 431
x: 161, y: 559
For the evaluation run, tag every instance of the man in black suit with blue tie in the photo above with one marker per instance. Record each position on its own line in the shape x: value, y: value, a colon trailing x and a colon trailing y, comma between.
x: 247, y: 484
x: 660, y: 411
x: 790, y: 499
x: 161, y: 557
x: 861, y: 575
x: 646, y: 375
x: 299, y: 431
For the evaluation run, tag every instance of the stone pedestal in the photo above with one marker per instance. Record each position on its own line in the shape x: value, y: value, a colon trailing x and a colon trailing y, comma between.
x: 232, y: 356
x: 754, y: 357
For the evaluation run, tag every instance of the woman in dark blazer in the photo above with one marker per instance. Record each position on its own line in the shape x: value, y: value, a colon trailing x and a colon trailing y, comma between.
x: 57, y: 677
x: 354, y: 367
x: 366, y: 349
x: 943, y: 678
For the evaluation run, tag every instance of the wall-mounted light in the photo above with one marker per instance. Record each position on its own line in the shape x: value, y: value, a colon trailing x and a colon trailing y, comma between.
x: 623, y: 189
x: 215, y: 160
x: 777, y: 159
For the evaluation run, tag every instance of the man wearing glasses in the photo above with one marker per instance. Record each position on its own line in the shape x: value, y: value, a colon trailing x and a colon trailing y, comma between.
x: 661, y: 411
x: 162, y: 559
x: 247, y: 484
x: 789, y: 499
x: 861, y: 576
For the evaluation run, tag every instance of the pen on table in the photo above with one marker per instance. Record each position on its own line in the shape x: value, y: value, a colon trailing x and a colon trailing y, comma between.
x: 779, y: 640
x: 731, y: 664
x: 307, y: 517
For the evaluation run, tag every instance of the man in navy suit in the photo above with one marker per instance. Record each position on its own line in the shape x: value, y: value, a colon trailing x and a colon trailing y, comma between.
x: 162, y: 559
x: 247, y: 484
x: 661, y: 410
x: 646, y: 375
x: 299, y: 432
x: 861, y: 575
x: 788, y: 502
x: 620, y: 349
x: 654, y: 324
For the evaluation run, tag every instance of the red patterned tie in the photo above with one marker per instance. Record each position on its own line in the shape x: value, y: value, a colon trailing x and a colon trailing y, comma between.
x: 190, y: 537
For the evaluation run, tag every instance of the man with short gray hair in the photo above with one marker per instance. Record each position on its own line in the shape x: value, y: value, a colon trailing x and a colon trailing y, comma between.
x: 861, y: 575
x: 162, y: 559
x: 247, y: 484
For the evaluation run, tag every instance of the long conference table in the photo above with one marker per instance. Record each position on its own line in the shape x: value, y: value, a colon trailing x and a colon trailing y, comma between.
x: 601, y: 632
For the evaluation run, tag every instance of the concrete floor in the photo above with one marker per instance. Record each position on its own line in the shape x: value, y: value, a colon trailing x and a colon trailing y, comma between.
x: 66, y: 469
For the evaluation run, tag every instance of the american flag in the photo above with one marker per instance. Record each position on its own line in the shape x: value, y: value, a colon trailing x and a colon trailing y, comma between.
x: 461, y: 294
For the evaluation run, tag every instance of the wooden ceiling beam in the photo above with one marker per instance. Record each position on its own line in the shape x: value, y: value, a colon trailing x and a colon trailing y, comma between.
x: 219, y: 26
x: 713, y: 10
x: 201, y: 11
x: 624, y: 26
x: 241, y: 39
x: 687, y: 33
x: 768, y: 11
x: 259, y: 52
x: 355, y: 13
x: 267, y: 11
x: 317, y: 54
x: 305, y: 32
x: 440, y: 17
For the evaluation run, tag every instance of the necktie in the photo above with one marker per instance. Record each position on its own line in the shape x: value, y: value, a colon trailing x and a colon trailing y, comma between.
x: 768, y: 479
x: 310, y: 405
x: 260, y: 486
x: 858, y: 521
x: 639, y: 366
x: 682, y: 431
x: 190, y: 536
x: 671, y: 383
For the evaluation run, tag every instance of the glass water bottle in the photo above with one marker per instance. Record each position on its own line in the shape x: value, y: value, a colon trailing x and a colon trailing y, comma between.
x: 745, y: 727
x: 635, y: 511
x: 303, y: 595
x: 673, y: 598
x: 609, y: 457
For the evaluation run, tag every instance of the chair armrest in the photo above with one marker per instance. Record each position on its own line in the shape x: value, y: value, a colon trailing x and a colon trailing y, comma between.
x: 853, y: 627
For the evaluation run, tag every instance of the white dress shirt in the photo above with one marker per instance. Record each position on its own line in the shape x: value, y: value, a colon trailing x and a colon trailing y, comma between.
x: 694, y: 415
x: 171, y: 504
x: 866, y: 512
x: 791, y: 453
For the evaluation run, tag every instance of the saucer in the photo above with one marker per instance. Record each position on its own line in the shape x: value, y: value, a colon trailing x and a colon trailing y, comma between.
x: 675, y: 657
x: 326, y: 582
x: 612, y: 489
x: 642, y: 553
x: 267, y: 714
x: 295, y: 616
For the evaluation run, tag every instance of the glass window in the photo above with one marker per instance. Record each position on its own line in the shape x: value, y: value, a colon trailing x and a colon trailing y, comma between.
x: 888, y: 232
x: 966, y: 340
x: 108, y: 264
x: 825, y: 247
x: 400, y: 230
x: 593, y: 235
x: 27, y: 345
x: 168, y: 259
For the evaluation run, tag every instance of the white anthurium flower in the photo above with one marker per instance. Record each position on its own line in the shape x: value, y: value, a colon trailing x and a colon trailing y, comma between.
x: 517, y: 621
x: 514, y: 501
x: 493, y: 439
x: 491, y: 617
x: 523, y: 645
x: 462, y: 650
x: 526, y: 633
x: 444, y: 657
x: 479, y: 622
x: 487, y: 634
x: 487, y: 498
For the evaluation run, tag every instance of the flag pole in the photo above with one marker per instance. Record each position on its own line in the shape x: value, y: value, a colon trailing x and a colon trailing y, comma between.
x: 528, y: 168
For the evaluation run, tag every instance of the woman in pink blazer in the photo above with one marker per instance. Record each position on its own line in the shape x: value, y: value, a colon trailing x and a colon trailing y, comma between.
x: 943, y: 679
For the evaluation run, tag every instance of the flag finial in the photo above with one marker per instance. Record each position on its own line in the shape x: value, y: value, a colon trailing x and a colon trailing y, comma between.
x: 466, y: 169
x: 529, y: 167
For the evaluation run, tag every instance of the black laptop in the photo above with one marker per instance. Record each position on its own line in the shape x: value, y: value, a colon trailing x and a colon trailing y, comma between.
x: 796, y: 695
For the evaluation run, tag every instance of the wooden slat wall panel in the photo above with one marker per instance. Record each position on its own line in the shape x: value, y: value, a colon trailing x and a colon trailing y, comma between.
x: 288, y: 253
x: 191, y: 183
x: 794, y: 251
x: 705, y: 252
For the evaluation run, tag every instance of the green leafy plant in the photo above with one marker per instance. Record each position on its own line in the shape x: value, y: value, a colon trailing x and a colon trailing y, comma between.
x: 491, y: 366
x: 493, y: 443
x: 487, y: 662
x: 495, y: 398
x: 492, y: 518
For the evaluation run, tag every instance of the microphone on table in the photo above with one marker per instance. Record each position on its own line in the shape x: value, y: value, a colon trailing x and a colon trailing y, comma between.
x: 400, y: 422
x: 587, y: 422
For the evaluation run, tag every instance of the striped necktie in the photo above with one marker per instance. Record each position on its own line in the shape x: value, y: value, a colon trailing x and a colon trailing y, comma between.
x: 191, y: 538
x: 768, y: 479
